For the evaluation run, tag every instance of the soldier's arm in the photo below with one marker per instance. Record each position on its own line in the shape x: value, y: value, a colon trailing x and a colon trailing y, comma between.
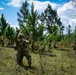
x: 17, y: 32
x: 16, y: 39
x: 28, y: 42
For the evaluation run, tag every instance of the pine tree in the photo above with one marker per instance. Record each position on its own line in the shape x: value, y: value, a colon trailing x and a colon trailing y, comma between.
x: 40, y: 32
x: 50, y: 18
x: 69, y: 31
x: 3, y: 25
x: 22, y: 15
x: 69, y: 35
x: 61, y: 35
x: 10, y: 34
x: 32, y: 24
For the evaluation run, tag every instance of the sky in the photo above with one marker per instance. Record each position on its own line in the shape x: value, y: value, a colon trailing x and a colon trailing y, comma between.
x: 65, y: 10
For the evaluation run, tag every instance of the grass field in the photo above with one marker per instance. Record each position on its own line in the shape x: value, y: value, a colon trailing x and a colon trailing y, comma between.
x: 60, y: 62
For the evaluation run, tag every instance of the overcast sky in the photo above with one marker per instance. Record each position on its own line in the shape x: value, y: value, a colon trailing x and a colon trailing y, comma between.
x: 64, y: 8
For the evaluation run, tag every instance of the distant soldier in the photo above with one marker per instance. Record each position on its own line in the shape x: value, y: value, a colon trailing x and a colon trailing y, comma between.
x: 21, y: 47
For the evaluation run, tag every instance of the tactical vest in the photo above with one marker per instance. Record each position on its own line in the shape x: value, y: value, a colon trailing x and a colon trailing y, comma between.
x: 21, y: 46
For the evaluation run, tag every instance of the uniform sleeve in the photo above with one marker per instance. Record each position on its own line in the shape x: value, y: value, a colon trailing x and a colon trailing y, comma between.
x: 16, y: 46
x: 28, y: 42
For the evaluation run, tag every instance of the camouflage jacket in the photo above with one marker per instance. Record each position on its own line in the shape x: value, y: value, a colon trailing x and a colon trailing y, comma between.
x: 21, y: 46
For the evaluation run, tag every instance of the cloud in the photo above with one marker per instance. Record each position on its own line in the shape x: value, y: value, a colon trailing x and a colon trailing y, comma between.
x: 40, y: 6
x: 13, y: 25
x: 67, y: 13
x: 1, y: 8
x: 17, y: 3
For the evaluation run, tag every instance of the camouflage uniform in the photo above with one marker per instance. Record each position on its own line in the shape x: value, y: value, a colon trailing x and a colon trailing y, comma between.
x: 22, y: 51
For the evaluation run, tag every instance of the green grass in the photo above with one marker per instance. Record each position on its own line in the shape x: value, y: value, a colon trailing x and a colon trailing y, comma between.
x: 64, y: 63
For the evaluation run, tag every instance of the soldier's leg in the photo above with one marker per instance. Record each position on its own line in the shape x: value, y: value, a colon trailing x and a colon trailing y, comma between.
x: 19, y: 58
x: 29, y: 60
x: 28, y: 57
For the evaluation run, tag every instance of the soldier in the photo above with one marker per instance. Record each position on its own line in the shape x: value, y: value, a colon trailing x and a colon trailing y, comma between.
x: 21, y: 47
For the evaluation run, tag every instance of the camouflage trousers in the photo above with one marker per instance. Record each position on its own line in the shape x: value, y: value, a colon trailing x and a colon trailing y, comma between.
x: 20, y: 56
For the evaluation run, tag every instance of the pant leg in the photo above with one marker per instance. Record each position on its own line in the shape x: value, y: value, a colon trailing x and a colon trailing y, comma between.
x: 19, y: 58
x: 28, y: 57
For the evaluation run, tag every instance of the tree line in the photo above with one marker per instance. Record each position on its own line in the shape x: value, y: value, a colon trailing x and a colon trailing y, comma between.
x: 37, y: 27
